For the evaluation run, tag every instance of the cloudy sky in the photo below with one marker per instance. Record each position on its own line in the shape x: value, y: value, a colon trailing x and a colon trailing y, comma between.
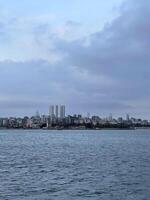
x: 92, y: 56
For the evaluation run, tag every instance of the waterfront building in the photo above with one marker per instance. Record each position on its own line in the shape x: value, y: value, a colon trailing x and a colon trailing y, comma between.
x: 56, y: 111
x: 62, y: 111
x: 51, y: 111
x: 120, y: 120
x: 110, y: 119
x: 127, y: 117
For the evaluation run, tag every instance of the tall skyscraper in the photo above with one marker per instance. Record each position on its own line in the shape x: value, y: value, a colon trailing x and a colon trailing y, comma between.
x: 110, y: 117
x: 51, y: 111
x: 56, y: 111
x: 62, y: 111
x: 127, y: 117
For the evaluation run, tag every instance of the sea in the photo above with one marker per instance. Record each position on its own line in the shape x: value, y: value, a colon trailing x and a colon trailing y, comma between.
x: 74, y: 165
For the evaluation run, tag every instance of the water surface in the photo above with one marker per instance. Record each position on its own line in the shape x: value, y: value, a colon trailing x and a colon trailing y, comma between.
x: 74, y: 165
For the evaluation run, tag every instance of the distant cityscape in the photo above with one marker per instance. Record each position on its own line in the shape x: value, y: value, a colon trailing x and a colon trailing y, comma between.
x: 57, y: 120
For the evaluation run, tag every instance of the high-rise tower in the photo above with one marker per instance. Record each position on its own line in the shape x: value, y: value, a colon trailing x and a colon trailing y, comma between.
x: 56, y: 111
x: 127, y: 117
x: 51, y: 111
x: 62, y: 111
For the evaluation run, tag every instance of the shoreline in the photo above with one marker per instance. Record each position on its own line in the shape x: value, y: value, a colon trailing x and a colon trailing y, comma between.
x: 77, y: 129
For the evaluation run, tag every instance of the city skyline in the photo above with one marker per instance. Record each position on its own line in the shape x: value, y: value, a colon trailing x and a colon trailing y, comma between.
x: 57, y: 119
x: 60, y: 112
x: 92, y: 58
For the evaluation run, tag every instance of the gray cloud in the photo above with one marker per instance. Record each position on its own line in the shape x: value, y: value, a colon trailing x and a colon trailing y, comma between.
x: 121, y: 51
x: 41, y: 83
x: 106, y: 72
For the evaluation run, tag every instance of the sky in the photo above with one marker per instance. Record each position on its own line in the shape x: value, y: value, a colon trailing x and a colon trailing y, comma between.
x: 92, y: 56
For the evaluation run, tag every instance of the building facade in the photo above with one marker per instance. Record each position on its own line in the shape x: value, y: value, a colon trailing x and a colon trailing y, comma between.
x: 62, y: 111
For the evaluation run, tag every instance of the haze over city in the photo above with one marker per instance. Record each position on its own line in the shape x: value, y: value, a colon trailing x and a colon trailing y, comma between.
x: 92, y: 56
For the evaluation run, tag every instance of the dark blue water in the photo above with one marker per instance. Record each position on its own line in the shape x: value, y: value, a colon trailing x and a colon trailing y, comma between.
x: 66, y: 165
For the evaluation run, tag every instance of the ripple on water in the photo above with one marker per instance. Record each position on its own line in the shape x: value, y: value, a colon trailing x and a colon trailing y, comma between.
x: 74, y: 165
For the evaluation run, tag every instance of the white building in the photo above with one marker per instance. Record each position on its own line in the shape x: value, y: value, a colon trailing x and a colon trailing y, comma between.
x: 51, y: 111
x: 62, y: 111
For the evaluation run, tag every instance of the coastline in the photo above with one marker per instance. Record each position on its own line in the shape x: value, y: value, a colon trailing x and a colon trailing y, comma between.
x: 78, y: 129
